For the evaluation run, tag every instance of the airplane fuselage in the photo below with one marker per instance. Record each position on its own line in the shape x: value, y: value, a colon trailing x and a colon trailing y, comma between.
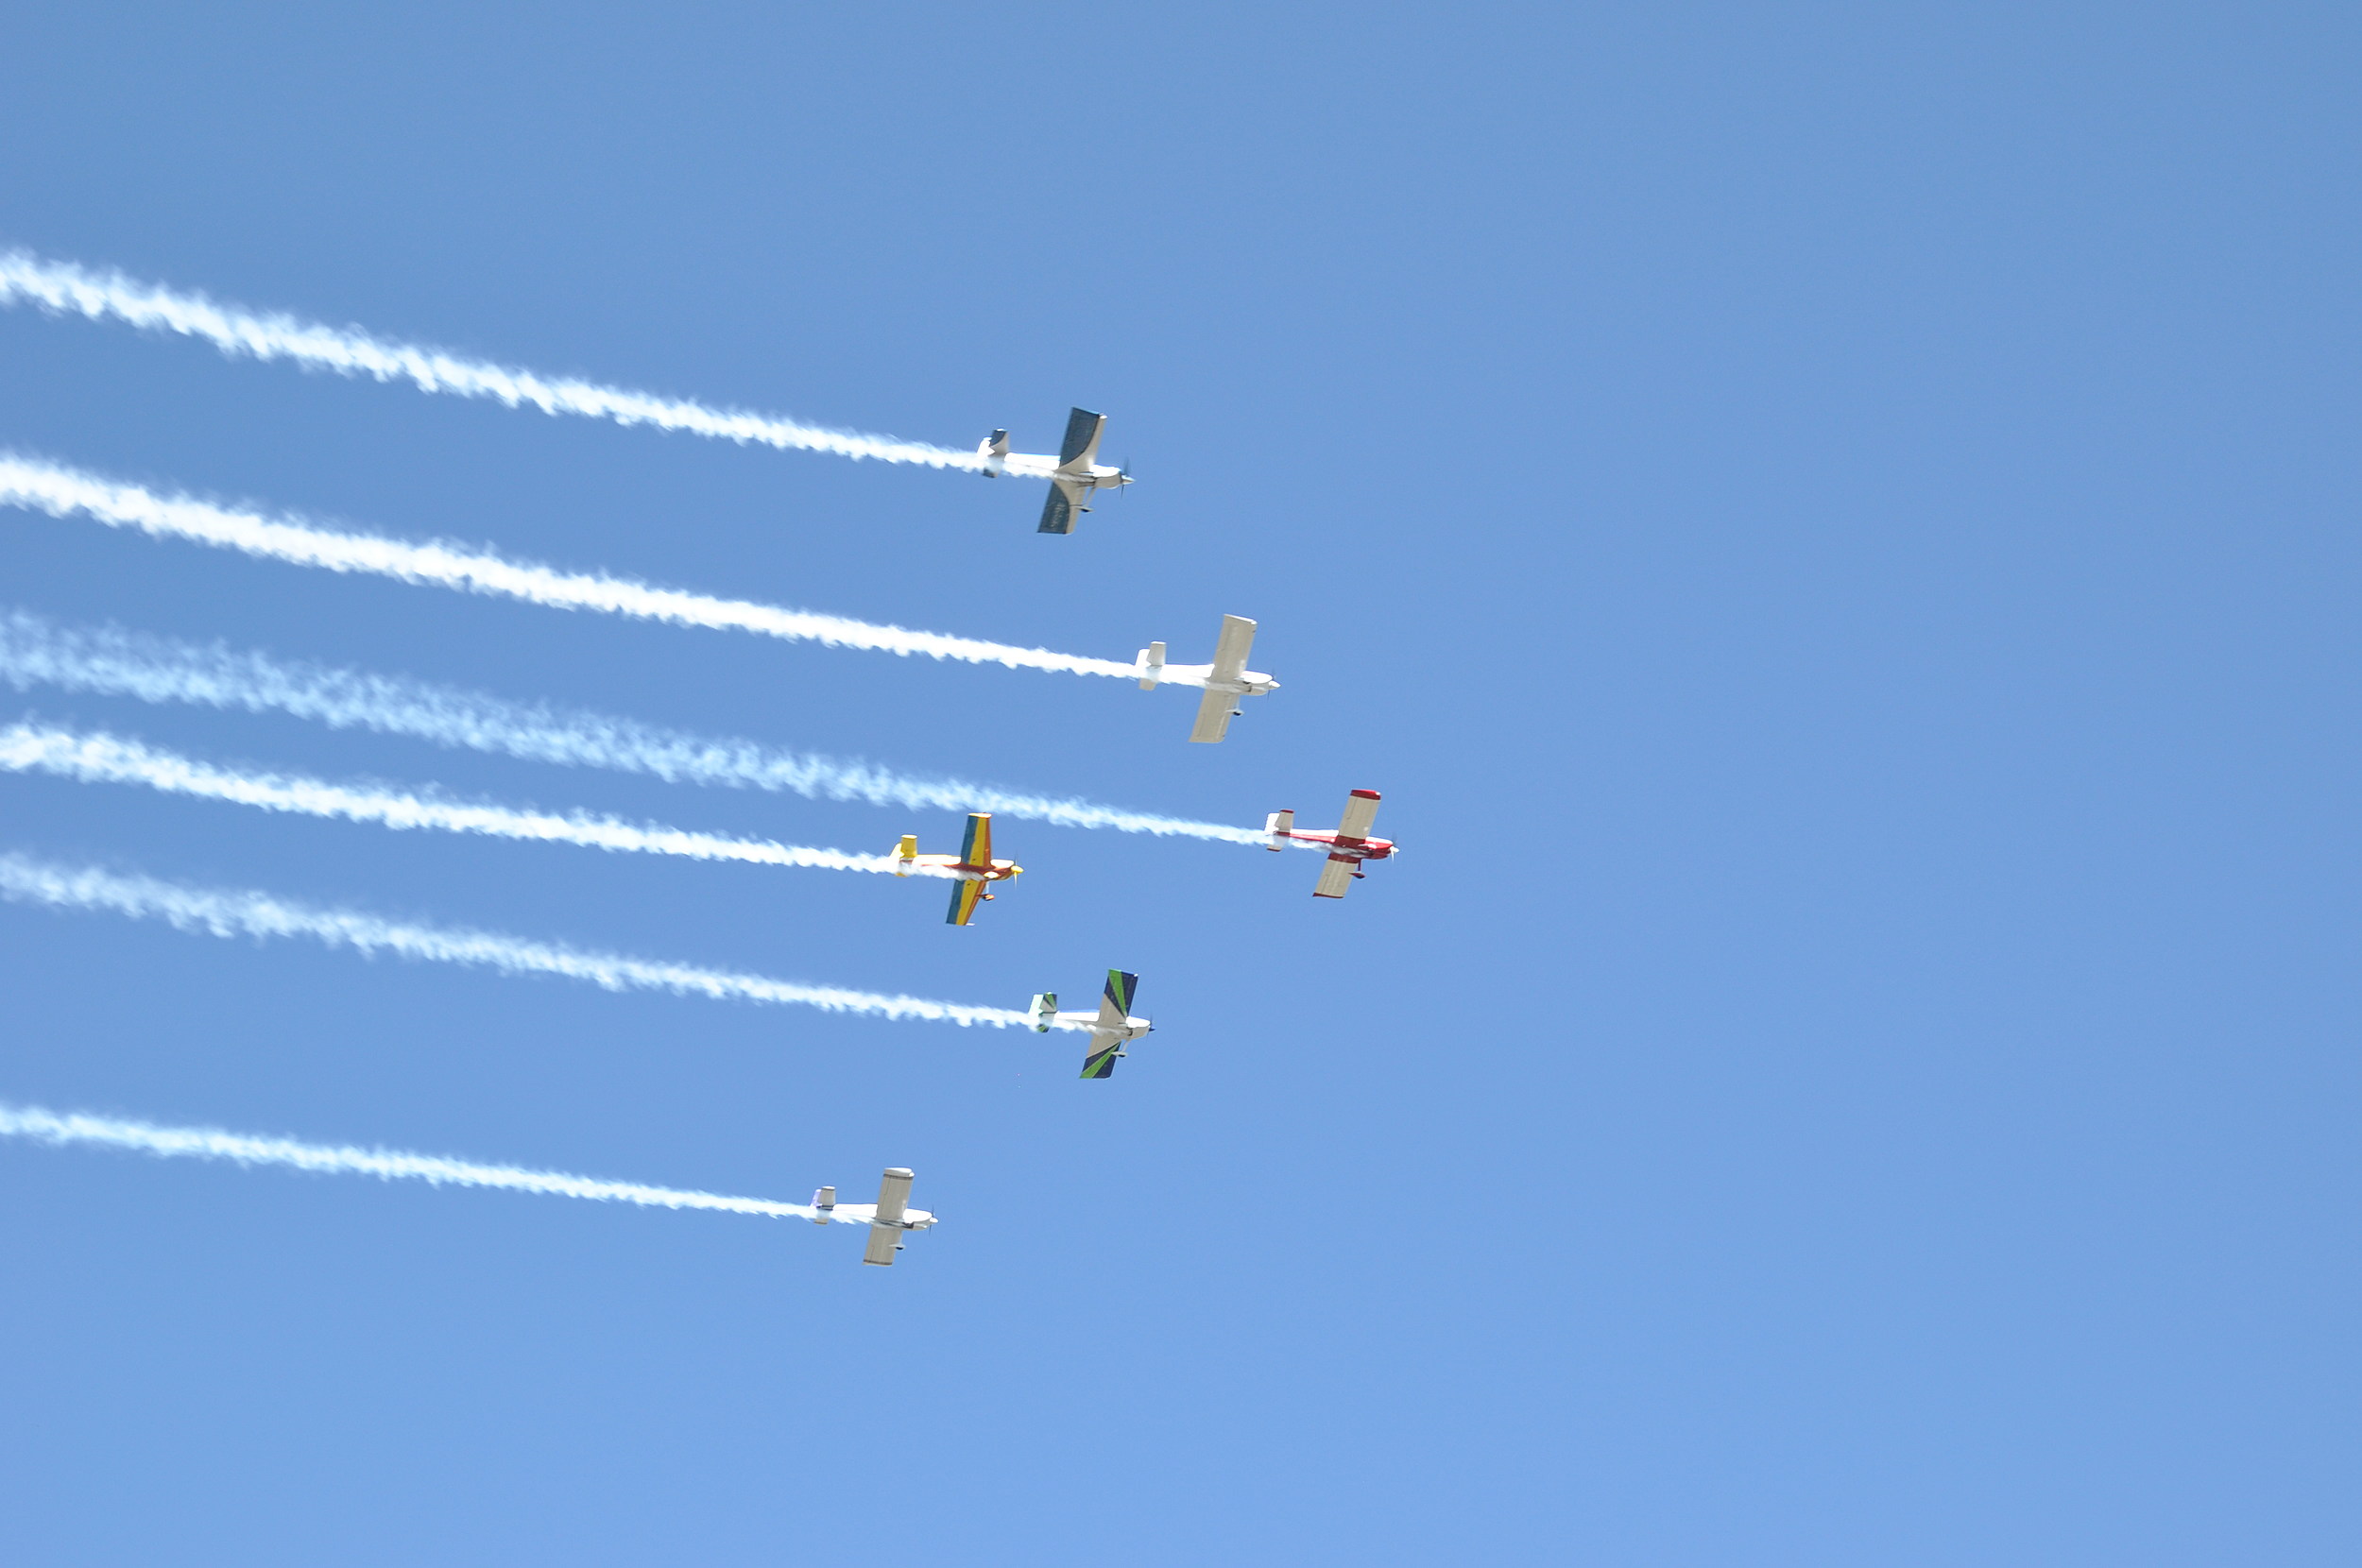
x: 952, y: 865
x: 1338, y: 845
x: 1027, y: 464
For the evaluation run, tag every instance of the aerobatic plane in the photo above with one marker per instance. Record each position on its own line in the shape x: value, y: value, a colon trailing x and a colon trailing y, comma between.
x: 1348, y: 846
x: 1075, y: 474
x: 1225, y: 680
x: 973, y: 865
x: 1111, y: 1028
x: 887, y: 1219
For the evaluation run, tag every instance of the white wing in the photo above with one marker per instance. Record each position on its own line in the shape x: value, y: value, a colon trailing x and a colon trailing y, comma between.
x: 1336, y: 875
x: 1080, y: 449
x: 1232, y: 648
x: 1361, y: 812
x: 893, y: 1193
x: 1214, y: 716
x: 884, y: 1241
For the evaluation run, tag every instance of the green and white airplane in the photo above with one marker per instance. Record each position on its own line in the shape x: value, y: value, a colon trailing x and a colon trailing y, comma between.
x: 1111, y: 1028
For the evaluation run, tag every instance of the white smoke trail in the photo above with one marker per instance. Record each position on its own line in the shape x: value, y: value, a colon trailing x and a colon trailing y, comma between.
x: 238, y: 911
x: 61, y: 491
x: 109, y: 759
x: 61, y: 287
x: 60, y: 1129
x: 34, y: 651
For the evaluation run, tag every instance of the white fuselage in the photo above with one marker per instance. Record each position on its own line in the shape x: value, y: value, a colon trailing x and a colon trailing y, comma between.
x: 1089, y: 1022
x: 1028, y: 465
x: 867, y: 1213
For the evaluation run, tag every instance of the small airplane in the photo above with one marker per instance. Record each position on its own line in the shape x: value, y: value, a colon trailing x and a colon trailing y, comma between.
x: 1075, y: 474
x: 973, y: 865
x: 1225, y: 680
x: 1111, y: 1028
x: 1348, y: 846
x: 887, y: 1219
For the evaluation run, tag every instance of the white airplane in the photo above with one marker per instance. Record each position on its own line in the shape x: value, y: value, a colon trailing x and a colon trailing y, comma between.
x: 1348, y: 846
x: 1075, y: 474
x: 887, y: 1219
x: 1225, y: 680
x: 1111, y: 1028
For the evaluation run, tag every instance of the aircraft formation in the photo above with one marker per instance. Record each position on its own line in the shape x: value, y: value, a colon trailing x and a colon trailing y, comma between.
x: 975, y: 875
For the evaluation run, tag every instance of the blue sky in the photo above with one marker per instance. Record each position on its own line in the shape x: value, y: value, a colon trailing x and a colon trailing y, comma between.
x: 1830, y: 526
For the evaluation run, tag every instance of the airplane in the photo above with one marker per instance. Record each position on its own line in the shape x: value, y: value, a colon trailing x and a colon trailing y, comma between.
x: 973, y: 865
x: 1075, y: 474
x: 1111, y: 1028
x: 1348, y: 846
x: 887, y: 1219
x: 1225, y: 680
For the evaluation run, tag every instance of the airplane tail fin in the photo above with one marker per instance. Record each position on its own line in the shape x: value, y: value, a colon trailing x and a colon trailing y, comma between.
x: 992, y: 448
x: 1044, y: 1009
x: 907, y: 853
x: 1278, y: 825
x: 824, y: 1200
x: 1151, y: 665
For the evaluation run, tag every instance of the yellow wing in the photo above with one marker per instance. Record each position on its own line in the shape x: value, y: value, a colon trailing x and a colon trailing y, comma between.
x: 976, y: 849
x: 964, y: 895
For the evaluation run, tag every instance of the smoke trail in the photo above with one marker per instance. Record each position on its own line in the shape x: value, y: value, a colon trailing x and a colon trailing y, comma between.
x: 34, y: 651
x: 106, y: 759
x: 60, y: 287
x: 59, y: 1129
x: 238, y: 911
x: 61, y: 491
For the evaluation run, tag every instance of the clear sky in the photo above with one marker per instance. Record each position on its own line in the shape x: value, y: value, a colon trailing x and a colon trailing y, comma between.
x: 1831, y: 526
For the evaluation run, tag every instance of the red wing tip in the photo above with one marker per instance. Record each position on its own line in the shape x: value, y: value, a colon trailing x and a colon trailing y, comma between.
x: 1366, y: 795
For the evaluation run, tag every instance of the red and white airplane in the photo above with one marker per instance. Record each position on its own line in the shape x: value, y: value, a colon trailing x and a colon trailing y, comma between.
x: 1348, y: 846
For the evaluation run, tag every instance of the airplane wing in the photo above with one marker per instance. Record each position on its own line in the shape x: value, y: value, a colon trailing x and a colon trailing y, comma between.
x: 976, y: 848
x: 1361, y: 812
x: 1115, y: 1003
x: 1214, y: 716
x: 1115, y: 1016
x: 965, y: 895
x: 1336, y: 875
x: 894, y: 1194
x: 1232, y: 648
x: 885, y: 1231
x: 1100, y: 1062
x: 1059, y: 511
x: 1080, y: 449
